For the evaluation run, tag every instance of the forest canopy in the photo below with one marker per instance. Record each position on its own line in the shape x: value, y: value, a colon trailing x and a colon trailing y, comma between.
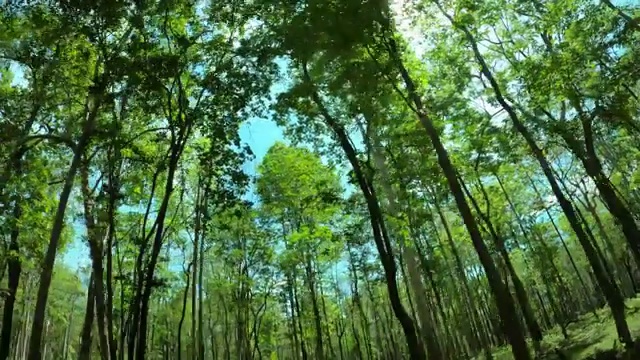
x: 457, y: 179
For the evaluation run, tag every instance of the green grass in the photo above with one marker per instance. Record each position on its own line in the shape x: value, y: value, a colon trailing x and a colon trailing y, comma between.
x: 588, y: 336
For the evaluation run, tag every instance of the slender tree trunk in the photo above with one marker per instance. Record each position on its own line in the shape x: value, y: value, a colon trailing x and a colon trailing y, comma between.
x: 114, y: 191
x: 509, y: 319
x: 303, y: 347
x: 92, y: 106
x: 85, y: 340
x: 194, y: 276
x: 95, y: 238
x: 67, y: 333
x: 123, y: 324
x: 242, y: 302
x: 212, y: 334
x: 227, y: 331
x: 133, y: 318
x: 37, y: 328
x: 340, y: 332
x: 201, y: 347
x: 377, y: 321
x: 383, y: 245
x: 183, y: 312
x: 294, y: 328
x: 521, y: 295
x: 14, y: 266
x: 326, y: 324
x: 315, y: 308
x: 434, y: 349
x: 156, y: 247
x: 613, y: 297
x: 356, y: 338
x: 25, y: 330
x: 357, y: 301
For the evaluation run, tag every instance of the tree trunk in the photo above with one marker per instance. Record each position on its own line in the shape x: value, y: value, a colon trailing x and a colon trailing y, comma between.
x: 357, y: 301
x: 95, y: 239
x: 521, y: 293
x: 303, y: 347
x: 294, y: 327
x: 133, y: 317
x: 67, y: 332
x: 382, y: 242
x: 434, y: 350
x: 613, y: 297
x: 114, y: 191
x: 85, y: 340
x: 155, y: 252
x: 37, y: 327
x: 326, y: 324
x: 183, y: 312
x: 509, y: 318
x: 92, y: 106
x: 14, y: 265
x: 315, y: 308
x: 201, y: 348
x: 194, y: 276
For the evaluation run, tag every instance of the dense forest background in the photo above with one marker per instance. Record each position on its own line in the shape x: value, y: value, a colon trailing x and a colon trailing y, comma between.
x: 459, y: 179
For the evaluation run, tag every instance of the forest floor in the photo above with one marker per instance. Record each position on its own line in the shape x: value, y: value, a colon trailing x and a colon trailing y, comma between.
x: 589, y: 337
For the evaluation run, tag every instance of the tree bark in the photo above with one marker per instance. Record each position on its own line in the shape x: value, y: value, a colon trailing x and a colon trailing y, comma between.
x: 14, y: 267
x: 92, y: 106
x: 155, y: 252
x: 614, y: 299
x: 183, y: 311
x: 434, y: 349
x: 315, y: 308
x: 416, y: 349
x: 95, y: 239
x: 509, y: 319
x: 85, y: 341
x: 521, y: 295
x: 194, y: 276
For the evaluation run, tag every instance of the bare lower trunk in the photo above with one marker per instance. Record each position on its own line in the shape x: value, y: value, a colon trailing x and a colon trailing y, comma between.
x: 434, y: 349
x: 141, y: 345
x: 509, y: 319
x: 85, y: 340
x: 91, y: 110
x: 383, y: 245
x: 613, y: 296
x: 317, y: 320
x: 521, y: 294
x: 14, y: 266
x: 183, y: 313
x: 95, y: 238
